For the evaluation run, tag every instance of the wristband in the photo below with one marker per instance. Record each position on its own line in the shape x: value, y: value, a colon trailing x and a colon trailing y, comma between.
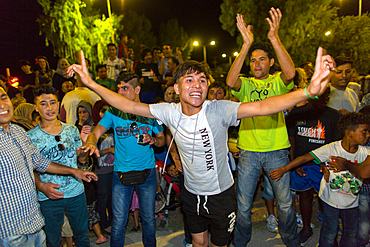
x: 311, y: 97
x: 93, y: 143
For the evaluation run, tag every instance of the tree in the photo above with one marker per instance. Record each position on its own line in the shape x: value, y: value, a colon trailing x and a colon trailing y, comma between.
x: 170, y: 32
x: 138, y: 28
x: 68, y: 30
x: 303, y: 27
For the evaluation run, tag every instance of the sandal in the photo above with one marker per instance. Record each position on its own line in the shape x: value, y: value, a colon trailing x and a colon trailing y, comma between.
x: 101, y: 240
x: 135, y: 229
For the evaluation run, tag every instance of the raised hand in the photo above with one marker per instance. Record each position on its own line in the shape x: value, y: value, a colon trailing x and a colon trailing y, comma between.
x: 85, y: 132
x: 80, y: 69
x: 321, y: 77
x: 274, y: 23
x: 245, y: 31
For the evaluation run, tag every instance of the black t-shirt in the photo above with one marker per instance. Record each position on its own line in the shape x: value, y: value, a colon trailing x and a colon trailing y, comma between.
x: 28, y: 79
x: 312, y: 127
x: 147, y: 71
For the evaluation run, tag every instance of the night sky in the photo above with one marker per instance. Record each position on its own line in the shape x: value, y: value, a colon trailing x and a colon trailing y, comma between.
x: 20, y: 34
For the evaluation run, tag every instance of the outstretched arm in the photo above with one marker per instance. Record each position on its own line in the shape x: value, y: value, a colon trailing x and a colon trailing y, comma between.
x: 271, y: 105
x: 359, y: 169
x: 114, y: 99
x: 279, y: 172
x: 285, y: 61
x: 233, y: 79
x: 65, y: 170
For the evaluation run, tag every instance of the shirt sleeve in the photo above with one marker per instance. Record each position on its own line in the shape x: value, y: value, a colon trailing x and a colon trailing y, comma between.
x: 40, y: 163
x: 322, y: 153
x: 156, y: 127
x: 107, y: 120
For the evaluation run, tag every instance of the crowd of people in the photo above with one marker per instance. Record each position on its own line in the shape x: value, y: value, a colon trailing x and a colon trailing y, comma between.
x: 303, y: 130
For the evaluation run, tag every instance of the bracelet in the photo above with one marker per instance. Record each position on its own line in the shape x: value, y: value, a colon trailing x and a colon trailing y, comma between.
x: 311, y: 97
x: 93, y: 143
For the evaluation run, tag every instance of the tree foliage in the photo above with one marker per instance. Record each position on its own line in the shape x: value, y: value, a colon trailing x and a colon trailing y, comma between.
x: 175, y: 35
x: 68, y: 30
x: 303, y: 27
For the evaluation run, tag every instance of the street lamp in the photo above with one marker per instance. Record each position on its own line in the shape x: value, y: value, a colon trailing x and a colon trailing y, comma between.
x: 196, y: 43
x: 327, y: 33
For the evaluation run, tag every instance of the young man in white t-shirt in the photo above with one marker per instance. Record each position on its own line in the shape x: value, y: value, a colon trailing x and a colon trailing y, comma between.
x: 339, y: 190
x: 200, y: 131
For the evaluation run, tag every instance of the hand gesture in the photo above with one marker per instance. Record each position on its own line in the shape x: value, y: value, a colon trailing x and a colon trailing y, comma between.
x: 178, y: 52
x: 80, y: 69
x: 324, y: 169
x: 85, y: 175
x: 85, y: 132
x: 147, y: 139
x: 91, y: 148
x: 321, y: 77
x: 49, y: 190
x: 337, y: 164
x: 245, y: 31
x: 274, y: 23
x: 277, y: 173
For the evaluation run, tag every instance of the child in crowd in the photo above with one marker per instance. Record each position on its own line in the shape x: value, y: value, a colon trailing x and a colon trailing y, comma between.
x: 338, y: 190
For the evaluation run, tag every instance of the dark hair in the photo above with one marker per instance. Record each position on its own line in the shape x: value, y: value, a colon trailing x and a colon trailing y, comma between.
x: 127, y: 77
x: 34, y: 115
x: 343, y: 60
x: 274, y: 68
x: 189, y: 67
x: 266, y: 47
x: 111, y: 44
x: 156, y: 48
x: 304, y: 64
x: 218, y: 84
x: 174, y: 60
x: 166, y: 44
x: 157, y: 99
x: 144, y: 52
x: 351, y: 121
x: 365, y: 110
x: 99, y: 66
x: 47, y: 63
x: 24, y: 62
x: 44, y: 89
x: 170, y: 165
x: 88, y: 61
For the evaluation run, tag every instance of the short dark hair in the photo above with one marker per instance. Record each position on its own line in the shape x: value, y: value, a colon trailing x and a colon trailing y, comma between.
x: 351, y: 121
x: 343, y: 60
x: 264, y: 46
x: 166, y: 44
x: 99, y: 66
x: 88, y: 61
x: 44, y: 89
x: 156, y: 48
x: 304, y: 64
x: 144, y: 52
x: 127, y: 77
x: 111, y: 44
x: 218, y: 84
x: 174, y: 60
x: 189, y: 67
x: 24, y: 62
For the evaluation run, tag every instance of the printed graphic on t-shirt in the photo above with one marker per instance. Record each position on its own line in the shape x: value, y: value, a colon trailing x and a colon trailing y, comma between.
x: 259, y: 94
x: 315, y: 134
x: 345, y: 183
x: 208, y: 155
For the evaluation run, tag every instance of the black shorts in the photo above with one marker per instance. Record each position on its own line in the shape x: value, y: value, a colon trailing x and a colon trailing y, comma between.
x: 218, y: 211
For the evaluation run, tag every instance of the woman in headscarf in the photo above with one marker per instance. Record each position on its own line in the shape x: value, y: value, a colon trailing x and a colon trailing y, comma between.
x: 23, y: 116
x: 99, y: 106
x: 84, y: 114
x: 61, y: 75
x: 44, y: 74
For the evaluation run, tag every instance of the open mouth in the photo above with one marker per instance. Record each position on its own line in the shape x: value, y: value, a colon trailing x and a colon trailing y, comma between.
x: 4, y: 112
x: 195, y: 94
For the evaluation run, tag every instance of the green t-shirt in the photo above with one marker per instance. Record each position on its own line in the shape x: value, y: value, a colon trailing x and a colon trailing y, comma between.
x: 263, y: 133
x: 108, y: 83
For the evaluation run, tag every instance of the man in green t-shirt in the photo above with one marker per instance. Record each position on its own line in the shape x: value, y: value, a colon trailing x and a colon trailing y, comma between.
x: 263, y: 141
x: 103, y: 78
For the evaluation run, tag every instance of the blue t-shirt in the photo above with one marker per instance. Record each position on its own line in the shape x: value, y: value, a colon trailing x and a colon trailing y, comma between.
x: 128, y: 154
x: 48, y: 147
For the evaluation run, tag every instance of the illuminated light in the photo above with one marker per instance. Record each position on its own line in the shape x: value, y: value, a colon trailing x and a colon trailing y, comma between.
x: 14, y: 81
x: 213, y: 42
x: 327, y: 33
x: 235, y: 54
x: 195, y: 43
x: 224, y: 55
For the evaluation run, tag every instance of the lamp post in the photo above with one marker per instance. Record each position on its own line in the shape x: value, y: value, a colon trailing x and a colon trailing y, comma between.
x: 110, y: 18
x: 196, y: 43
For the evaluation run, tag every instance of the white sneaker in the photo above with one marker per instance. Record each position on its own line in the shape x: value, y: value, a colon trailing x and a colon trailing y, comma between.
x: 272, y: 223
x: 300, y: 221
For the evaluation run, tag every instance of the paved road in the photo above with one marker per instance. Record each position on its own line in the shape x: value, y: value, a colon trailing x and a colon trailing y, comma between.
x: 174, y: 235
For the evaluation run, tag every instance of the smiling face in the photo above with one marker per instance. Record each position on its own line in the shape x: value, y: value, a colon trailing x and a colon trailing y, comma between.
x: 341, y: 76
x: 148, y: 58
x: 112, y: 51
x: 167, y: 51
x: 192, y: 89
x: 47, y: 106
x: 6, y: 110
x: 42, y: 64
x: 260, y: 64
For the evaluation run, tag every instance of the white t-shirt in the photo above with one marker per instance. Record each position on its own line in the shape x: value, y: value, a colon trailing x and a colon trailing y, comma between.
x: 114, y: 68
x: 343, y: 187
x: 343, y: 99
x: 202, y: 143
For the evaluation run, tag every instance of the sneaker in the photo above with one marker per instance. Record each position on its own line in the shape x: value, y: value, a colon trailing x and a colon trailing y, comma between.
x: 272, y: 223
x: 101, y: 240
x: 320, y: 217
x: 304, y: 237
x: 186, y: 244
x: 300, y: 221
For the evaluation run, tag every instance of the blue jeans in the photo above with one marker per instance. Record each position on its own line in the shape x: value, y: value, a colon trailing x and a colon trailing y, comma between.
x: 364, y: 216
x: 104, y: 199
x: 330, y: 223
x: 249, y: 169
x: 121, y: 199
x: 76, y: 210
x: 37, y: 239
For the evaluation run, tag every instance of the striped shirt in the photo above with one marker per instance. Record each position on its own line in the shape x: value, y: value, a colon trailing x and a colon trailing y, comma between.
x: 19, y: 210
